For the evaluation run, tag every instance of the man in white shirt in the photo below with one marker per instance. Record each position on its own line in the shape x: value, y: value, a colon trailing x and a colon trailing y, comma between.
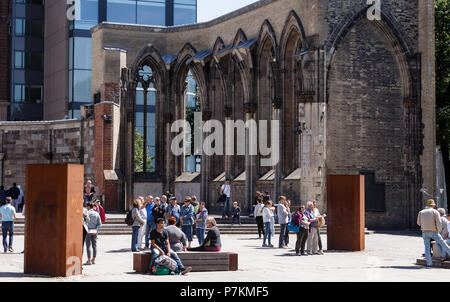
x: 226, y: 189
x: 317, y: 230
x: 8, y: 214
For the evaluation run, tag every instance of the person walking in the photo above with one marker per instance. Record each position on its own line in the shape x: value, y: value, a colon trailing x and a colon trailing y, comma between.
x: 94, y: 223
x: 161, y: 246
x: 236, y: 212
x: 312, y: 242
x: 142, y: 228
x: 138, y: 223
x: 317, y: 228
x: 430, y: 223
x: 259, y: 216
x: 8, y: 215
x: 301, y: 220
x: 226, y: 189
x: 267, y: 216
x: 187, y: 219
x: 150, y: 220
x: 283, y: 220
x: 200, y: 222
x: 14, y: 193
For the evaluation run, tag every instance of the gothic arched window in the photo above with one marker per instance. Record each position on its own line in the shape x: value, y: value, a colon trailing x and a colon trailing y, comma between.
x: 145, y: 122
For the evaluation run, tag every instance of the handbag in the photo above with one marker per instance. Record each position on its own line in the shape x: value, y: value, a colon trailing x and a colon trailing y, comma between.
x: 321, y: 222
x: 222, y: 198
x: 293, y: 228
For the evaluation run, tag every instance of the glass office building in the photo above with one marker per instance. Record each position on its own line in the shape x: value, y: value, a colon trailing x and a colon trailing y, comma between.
x: 27, y: 46
x: 27, y: 59
x: 92, y: 12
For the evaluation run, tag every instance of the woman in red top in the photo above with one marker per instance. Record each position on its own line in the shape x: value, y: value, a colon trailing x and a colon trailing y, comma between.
x: 100, y: 210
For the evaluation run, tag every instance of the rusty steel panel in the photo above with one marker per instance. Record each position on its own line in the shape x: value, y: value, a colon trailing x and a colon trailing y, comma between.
x: 53, y: 220
x: 345, y: 205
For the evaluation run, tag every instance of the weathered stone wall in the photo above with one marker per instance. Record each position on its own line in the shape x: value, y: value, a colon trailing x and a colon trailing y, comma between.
x: 45, y: 143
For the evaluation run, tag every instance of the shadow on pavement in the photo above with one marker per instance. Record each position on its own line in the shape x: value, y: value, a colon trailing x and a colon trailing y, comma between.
x: 20, y: 275
x: 409, y: 267
x: 119, y: 251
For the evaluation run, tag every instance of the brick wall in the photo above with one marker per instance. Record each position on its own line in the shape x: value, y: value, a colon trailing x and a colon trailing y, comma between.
x: 44, y: 143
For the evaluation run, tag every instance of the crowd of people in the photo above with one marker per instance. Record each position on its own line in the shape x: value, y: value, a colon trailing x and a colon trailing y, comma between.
x: 17, y: 195
x: 165, y: 228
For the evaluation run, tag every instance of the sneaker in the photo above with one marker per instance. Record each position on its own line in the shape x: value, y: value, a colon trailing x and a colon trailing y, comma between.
x: 264, y: 245
x: 270, y: 245
x: 11, y: 250
x: 304, y: 254
x: 88, y: 263
x: 186, y: 270
x: 297, y: 254
x: 321, y: 252
x: 93, y: 262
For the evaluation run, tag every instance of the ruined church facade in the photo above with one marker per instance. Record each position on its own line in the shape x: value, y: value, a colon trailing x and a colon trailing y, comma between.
x: 353, y: 94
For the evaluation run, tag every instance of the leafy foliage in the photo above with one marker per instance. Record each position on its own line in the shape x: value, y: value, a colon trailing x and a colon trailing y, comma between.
x: 139, y: 154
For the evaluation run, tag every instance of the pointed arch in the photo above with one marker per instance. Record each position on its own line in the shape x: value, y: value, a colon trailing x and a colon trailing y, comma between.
x: 239, y: 37
x: 151, y: 56
x: 266, y: 35
x: 292, y: 25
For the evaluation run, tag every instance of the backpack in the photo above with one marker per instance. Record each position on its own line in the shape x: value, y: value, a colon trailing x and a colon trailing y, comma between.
x: 160, y: 270
x: 129, y: 219
x: 167, y: 262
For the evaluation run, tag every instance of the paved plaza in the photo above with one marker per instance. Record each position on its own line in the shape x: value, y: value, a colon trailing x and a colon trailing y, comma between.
x: 387, y: 257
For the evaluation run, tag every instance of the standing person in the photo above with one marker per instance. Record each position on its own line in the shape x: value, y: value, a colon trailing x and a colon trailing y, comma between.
x: 174, y: 209
x: 138, y: 223
x: 187, y: 219
x: 161, y: 246
x: 158, y: 211
x: 164, y: 205
x: 317, y: 229
x: 8, y: 214
x: 430, y: 223
x: 253, y: 207
x: 226, y: 189
x: 283, y: 220
x: 20, y: 199
x: 195, y: 204
x: 267, y: 215
x: 212, y: 242
x: 200, y: 222
x: 100, y: 210
x: 2, y: 196
x: 142, y: 228
x: 312, y: 242
x: 259, y: 216
x: 89, y: 191
x: 85, y: 225
x: 177, y: 238
x: 150, y: 220
x: 236, y: 213
x: 444, y: 231
x: 301, y: 220
x: 14, y: 193
x: 94, y: 223
x: 288, y: 207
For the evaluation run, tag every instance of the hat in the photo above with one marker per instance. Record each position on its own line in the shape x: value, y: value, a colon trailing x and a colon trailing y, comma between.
x: 173, y: 198
x: 430, y: 202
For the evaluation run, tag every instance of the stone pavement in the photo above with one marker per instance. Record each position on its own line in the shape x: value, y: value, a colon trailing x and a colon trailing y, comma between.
x: 388, y: 257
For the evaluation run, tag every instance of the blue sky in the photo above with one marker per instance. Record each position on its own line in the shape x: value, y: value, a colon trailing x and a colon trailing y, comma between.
x: 211, y: 9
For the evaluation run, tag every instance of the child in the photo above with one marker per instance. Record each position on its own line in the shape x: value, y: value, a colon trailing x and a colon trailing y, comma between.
x: 236, y: 213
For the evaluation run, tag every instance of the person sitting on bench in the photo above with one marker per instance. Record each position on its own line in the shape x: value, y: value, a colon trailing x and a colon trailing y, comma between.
x: 161, y: 246
x: 212, y: 241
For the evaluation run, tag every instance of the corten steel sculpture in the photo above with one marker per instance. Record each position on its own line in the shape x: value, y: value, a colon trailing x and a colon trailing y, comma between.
x: 345, y: 205
x: 53, y: 225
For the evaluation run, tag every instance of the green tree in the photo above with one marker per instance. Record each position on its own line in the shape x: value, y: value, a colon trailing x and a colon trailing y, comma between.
x: 442, y: 21
x: 139, y: 154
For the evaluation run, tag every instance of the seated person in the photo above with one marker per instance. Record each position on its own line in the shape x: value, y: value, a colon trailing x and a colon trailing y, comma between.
x: 212, y: 241
x: 177, y: 238
x: 161, y: 246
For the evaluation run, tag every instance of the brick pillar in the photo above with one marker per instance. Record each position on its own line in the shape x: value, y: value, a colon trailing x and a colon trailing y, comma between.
x: 107, y: 178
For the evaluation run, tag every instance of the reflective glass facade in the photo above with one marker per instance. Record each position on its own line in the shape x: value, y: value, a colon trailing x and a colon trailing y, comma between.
x: 27, y: 60
x: 92, y: 12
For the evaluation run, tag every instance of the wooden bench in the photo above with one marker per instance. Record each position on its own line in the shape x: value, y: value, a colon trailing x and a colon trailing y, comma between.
x: 199, y: 261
